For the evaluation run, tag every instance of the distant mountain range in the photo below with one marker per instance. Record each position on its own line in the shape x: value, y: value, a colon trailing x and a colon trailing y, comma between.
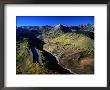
x: 42, y: 31
x: 87, y: 27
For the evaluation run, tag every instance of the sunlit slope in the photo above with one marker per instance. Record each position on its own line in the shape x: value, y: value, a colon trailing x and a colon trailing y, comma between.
x: 25, y: 65
x: 73, y: 51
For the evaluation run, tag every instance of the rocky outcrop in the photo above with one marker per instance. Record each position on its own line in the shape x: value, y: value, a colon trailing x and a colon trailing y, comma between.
x: 77, y: 62
x: 62, y: 28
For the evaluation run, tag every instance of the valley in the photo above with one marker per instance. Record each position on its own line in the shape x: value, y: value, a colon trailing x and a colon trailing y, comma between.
x: 55, y: 49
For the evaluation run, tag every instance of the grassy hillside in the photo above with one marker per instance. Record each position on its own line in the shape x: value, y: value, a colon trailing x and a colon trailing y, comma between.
x: 73, y: 51
x: 24, y: 61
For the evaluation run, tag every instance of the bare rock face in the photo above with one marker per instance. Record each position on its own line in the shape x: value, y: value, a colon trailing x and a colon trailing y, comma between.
x: 62, y: 28
x: 78, y: 63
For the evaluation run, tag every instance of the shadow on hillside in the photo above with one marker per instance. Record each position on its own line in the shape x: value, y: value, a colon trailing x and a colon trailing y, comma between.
x: 86, y: 33
x: 51, y: 62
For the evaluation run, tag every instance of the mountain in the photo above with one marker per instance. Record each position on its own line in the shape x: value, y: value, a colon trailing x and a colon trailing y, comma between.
x: 53, y: 31
x: 67, y: 49
x: 62, y: 28
x: 59, y: 27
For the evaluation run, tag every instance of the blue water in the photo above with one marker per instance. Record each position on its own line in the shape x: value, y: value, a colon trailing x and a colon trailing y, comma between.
x: 35, y: 54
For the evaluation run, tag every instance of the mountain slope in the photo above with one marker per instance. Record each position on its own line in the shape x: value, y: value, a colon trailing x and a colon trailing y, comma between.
x: 65, y: 51
x: 73, y: 51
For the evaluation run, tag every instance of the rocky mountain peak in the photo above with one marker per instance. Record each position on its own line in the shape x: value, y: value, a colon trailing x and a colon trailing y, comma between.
x: 58, y: 27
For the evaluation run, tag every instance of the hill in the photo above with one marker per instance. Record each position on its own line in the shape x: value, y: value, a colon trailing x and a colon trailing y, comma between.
x: 66, y: 51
